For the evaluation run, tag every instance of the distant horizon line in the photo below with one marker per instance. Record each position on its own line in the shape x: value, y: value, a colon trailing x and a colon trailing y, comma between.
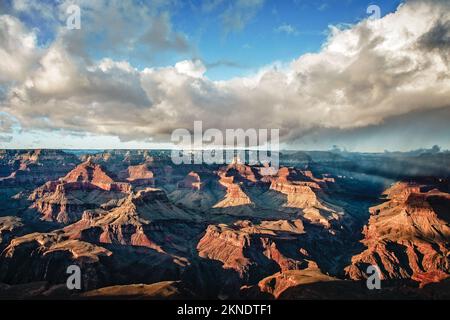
x: 237, y: 149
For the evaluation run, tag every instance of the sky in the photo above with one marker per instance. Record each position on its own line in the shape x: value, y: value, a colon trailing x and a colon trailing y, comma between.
x: 324, y: 73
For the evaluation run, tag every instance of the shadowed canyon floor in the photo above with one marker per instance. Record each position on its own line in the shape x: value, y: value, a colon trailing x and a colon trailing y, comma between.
x: 140, y: 227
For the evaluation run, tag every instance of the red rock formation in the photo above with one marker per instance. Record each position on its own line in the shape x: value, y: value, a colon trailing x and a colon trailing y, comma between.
x: 49, y: 243
x: 34, y: 167
x: 244, y: 247
x: 233, y: 177
x: 321, y: 181
x: 165, y: 290
x: 89, y: 175
x: 191, y: 181
x: 234, y: 196
x: 240, y: 171
x: 130, y: 223
x: 278, y: 283
x: 138, y: 175
x: 45, y: 256
x: 304, y: 194
x: 198, y: 191
x: 85, y: 187
x: 8, y: 226
x: 407, y: 236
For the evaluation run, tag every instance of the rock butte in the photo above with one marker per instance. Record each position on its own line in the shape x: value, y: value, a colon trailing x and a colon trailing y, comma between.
x: 407, y: 236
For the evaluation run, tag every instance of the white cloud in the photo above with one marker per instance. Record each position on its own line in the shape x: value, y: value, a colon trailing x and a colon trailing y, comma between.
x: 194, y: 69
x: 18, y: 50
x: 365, y: 74
x: 114, y: 27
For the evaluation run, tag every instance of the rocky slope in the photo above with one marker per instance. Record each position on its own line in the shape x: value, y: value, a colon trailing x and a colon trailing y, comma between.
x: 299, y: 192
x: 279, y: 283
x: 46, y: 257
x: 234, y: 196
x: 198, y: 191
x: 167, y: 290
x: 34, y: 167
x: 9, y: 226
x: 255, y: 250
x: 87, y: 186
x: 133, y: 223
x: 138, y: 175
x: 407, y: 236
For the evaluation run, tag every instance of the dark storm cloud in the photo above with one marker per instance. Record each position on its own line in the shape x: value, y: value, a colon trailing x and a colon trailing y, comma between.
x: 438, y: 38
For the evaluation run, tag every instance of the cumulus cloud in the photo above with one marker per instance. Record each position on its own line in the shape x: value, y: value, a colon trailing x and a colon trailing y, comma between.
x: 114, y: 27
x: 18, y: 50
x: 364, y: 75
x: 438, y: 39
x: 65, y: 93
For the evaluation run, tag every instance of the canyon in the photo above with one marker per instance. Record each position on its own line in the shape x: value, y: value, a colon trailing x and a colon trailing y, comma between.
x: 141, y: 227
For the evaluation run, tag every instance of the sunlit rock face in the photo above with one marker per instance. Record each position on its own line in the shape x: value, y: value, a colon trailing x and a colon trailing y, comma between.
x: 85, y: 187
x: 407, y: 236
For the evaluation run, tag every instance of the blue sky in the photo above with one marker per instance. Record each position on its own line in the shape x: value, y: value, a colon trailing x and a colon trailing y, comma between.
x: 320, y: 71
x: 229, y: 53
x: 261, y: 43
